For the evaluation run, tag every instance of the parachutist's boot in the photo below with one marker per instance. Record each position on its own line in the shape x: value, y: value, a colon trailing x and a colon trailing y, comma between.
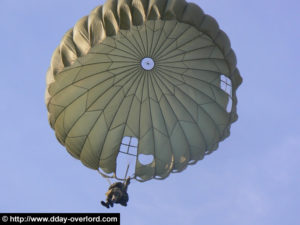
x: 110, y: 203
x: 105, y: 204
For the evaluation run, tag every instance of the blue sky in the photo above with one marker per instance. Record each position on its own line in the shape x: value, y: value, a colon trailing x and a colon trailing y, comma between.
x: 253, y: 178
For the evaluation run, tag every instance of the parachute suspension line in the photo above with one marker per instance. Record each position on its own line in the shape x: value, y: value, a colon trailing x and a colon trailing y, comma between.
x: 104, y: 176
x: 128, y: 162
x: 132, y: 144
x: 126, y: 171
x: 108, y: 180
x: 128, y: 145
x: 127, y: 152
x: 126, y: 148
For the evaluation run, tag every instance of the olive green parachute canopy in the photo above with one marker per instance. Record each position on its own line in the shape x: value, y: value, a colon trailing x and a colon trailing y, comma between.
x: 158, y: 70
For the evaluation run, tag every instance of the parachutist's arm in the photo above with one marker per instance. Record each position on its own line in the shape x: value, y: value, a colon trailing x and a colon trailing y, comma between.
x: 127, y: 182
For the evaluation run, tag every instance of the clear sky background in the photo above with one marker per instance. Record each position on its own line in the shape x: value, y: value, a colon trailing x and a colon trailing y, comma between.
x: 253, y: 178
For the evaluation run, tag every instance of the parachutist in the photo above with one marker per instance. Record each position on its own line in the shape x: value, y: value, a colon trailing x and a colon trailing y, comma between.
x: 117, y: 193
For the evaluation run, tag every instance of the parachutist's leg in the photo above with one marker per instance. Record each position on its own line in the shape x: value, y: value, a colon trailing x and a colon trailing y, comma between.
x: 105, y: 204
x: 109, y: 195
x: 109, y: 198
x: 112, y: 201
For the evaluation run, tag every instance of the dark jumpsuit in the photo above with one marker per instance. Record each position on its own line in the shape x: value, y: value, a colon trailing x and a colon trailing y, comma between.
x: 117, y: 193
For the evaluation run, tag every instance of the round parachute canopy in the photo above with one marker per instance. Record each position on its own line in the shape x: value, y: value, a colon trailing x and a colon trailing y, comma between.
x: 158, y: 71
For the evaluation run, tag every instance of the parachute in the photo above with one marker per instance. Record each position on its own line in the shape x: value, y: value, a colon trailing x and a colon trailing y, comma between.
x: 157, y: 73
